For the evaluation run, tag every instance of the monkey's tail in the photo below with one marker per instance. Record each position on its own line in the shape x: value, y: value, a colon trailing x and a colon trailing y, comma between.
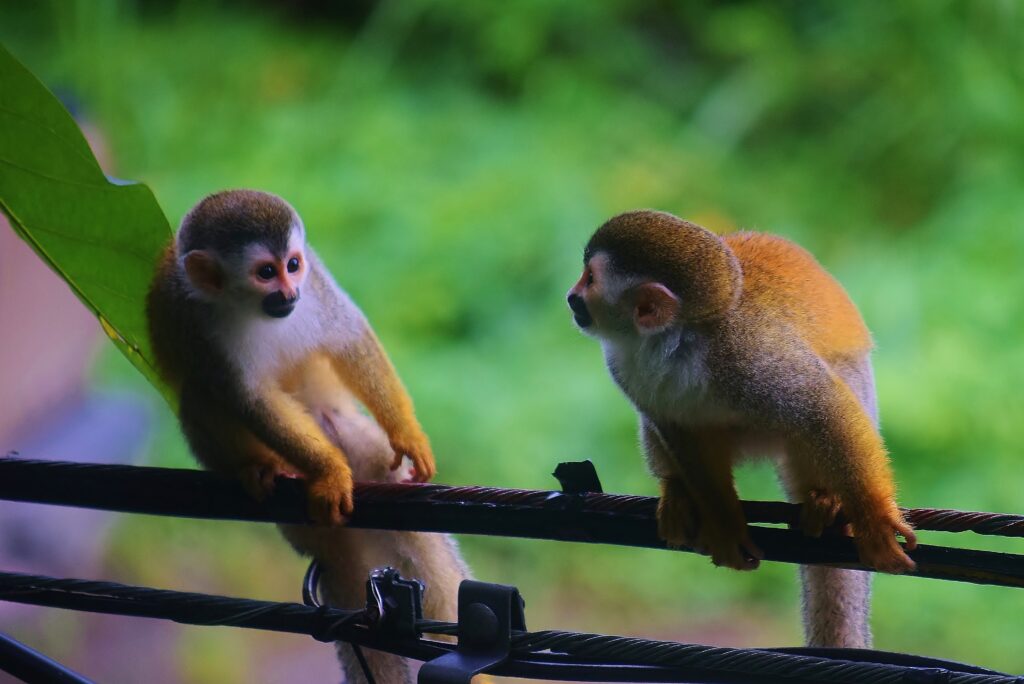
x: 837, y: 602
x: 346, y: 558
x: 836, y: 606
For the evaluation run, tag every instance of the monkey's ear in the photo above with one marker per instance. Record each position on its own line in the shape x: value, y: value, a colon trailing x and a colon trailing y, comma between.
x: 204, y: 272
x: 655, y: 308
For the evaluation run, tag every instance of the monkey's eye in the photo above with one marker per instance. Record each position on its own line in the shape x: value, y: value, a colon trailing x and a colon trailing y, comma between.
x: 293, y: 264
x: 590, y: 277
x: 266, y: 272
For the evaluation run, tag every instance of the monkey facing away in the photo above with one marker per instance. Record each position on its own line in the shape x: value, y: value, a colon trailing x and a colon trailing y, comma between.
x: 737, y: 345
x: 269, y: 356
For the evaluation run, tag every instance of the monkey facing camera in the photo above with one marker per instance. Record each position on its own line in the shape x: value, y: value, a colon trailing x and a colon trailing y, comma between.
x: 739, y: 345
x: 233, y: 337
x: 268, y: 383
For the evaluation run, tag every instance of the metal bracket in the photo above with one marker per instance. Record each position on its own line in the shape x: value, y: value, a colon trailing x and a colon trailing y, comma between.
x: 394, y: 605
x: 487, y: 615
x: 578, y: 477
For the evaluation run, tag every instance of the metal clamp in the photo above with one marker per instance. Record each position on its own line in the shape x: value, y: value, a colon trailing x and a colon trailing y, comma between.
x: 487, y: 615
x: 394, y: 605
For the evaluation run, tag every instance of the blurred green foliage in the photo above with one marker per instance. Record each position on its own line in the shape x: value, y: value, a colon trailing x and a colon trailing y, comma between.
x: 451, y: 158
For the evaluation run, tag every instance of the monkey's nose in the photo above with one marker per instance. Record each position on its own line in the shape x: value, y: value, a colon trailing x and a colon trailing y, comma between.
x: 579, y: 310
x: 278, y: 304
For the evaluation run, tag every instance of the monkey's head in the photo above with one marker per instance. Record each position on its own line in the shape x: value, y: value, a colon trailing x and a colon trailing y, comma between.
x: 244, y: 249
x: 647, y: 271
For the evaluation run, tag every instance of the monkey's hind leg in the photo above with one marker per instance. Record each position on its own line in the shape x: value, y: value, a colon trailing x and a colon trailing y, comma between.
x: 835, y: 602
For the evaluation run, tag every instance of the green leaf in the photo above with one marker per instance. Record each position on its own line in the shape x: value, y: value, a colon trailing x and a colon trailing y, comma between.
x: 102, y: 237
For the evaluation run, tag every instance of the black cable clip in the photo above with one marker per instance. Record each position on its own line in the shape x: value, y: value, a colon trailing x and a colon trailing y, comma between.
x: 394, y: 605
x: 487, y: 615
x: 578, y: 477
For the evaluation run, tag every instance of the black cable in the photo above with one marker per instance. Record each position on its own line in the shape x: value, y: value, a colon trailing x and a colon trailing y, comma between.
x: 545, y: 654
x: 29, y: 665
x: 591, y: 518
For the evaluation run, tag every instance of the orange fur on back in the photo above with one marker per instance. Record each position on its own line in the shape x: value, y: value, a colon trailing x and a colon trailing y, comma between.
x: 788, y: 281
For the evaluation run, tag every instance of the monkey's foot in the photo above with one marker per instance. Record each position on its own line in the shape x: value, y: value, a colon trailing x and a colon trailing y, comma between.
x: 818, y: 512
x: 329, y: 497
x: 877, y: 545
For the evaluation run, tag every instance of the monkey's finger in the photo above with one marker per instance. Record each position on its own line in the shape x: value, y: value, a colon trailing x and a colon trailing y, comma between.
x: 753, y: 550
x: 347, y: 505
x: 317, y: 512
x: 898, y: 563
x: 249, y: 478
x: 396, y: 462
x: 424, y: 470
x: 735, y: 558
x: 748, y: 546
x: 267, y: 479
x: 907, y: 532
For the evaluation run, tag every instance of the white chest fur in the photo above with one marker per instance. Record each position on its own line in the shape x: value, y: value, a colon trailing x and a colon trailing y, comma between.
x: 666, y: 376
x: 261, y: 347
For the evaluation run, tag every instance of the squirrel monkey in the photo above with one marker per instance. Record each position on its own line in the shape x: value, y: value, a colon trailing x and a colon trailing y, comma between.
x: 268, y: 356
x: 743, y: 344
x: 348, y: 555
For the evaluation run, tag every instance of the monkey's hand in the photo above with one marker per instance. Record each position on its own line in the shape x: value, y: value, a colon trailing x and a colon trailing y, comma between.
x: 416, y: 446
x: 677, y: 515
x: 728, y: 543
x: 329, y: 495
x: 723, y: 537
x: 875, y: 538
x: 260, y: 471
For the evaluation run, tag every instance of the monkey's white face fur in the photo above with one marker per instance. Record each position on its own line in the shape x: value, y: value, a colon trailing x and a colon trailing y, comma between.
x: 256, y: 275
x: 655, y: 359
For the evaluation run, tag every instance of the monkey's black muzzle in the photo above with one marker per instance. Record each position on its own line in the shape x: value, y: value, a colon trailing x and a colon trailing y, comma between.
x: 580, y: 312
x: 277, y: 305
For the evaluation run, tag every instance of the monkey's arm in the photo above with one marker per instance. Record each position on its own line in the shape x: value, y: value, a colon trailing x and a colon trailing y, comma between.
x: 677, y: 505
x: 366, y: 369
x: 221, y: 443
x: 700, y: 476
x: 830, y: 442
x: 283, y: 424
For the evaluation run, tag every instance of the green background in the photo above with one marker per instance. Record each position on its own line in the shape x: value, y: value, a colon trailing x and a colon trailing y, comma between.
x: 450, y: 159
